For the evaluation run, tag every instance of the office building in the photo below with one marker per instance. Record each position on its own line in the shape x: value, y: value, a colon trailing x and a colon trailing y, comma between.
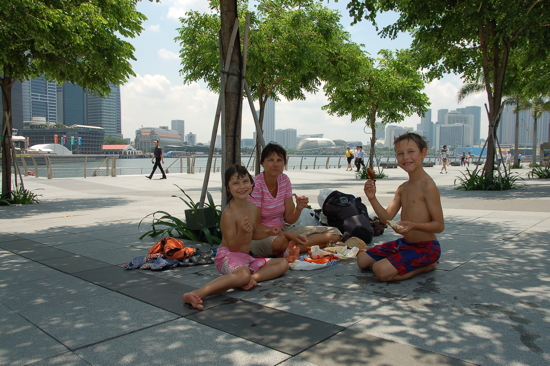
x: 105, y: 112
x: 286, y: 138
x: 507, y: 127
x: 191, y: 139
x: 79, y: 139
x: 269, y: 121
x: 71, y: 104
x: 392, y: 132
x: 39, y: 99
x: 475, y: 111
x: 441, y: 115
x: 457, y: 134
x: 146, y: 135
x: 178, y: 125
x: 426, y: 127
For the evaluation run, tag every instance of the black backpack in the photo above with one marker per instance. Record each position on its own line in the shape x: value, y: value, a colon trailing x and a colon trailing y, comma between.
x: 349, y: 215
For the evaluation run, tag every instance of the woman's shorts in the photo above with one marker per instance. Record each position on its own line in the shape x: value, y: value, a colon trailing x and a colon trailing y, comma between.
x: 227, y: 262
x: 264, y: 247
x: 405, y: 256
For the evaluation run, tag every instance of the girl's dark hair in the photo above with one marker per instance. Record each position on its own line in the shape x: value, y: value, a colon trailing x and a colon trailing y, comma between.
x: 273, y: 148
x: 241, y: 171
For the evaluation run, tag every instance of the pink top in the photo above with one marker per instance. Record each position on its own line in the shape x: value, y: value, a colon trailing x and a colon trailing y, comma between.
x: 272, y: 208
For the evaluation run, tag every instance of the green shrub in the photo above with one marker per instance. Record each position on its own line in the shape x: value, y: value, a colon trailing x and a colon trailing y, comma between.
x: 541, y: 172
x: 362, y: 174
x: 475, y: 181
x: 166, y: 224
x: 19, y: 195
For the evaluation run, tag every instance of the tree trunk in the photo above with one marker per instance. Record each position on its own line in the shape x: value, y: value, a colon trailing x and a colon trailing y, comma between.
x: 258, y: 145
x: 372, y: 143
x: 233, y: 92
x: 534, y: 157
x: 516, y: 137
x: 6, y: 84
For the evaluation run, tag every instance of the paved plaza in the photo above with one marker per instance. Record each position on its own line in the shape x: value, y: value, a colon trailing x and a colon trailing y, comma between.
x: 65, y: 298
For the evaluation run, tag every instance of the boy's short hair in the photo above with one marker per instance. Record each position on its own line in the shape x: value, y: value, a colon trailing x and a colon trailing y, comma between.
x: 273, y: 148
x: 420, y: 141
x: 241, y: 171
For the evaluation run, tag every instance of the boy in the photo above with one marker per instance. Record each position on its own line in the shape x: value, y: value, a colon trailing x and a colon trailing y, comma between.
x: 421, y: 217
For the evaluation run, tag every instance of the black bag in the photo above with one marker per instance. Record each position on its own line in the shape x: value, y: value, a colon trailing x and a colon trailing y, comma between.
x: 349, y: 215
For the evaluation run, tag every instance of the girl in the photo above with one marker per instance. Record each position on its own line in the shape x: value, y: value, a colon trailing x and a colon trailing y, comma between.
x: 240, y: 223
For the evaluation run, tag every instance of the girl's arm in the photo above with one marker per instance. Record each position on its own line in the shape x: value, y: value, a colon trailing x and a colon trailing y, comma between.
x: 234, y: 237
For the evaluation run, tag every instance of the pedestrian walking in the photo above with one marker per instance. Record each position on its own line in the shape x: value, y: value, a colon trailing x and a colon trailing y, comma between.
x: 349, y: 157
x: 444, y: 156
x: 359, y: 158
x: 157, y: 159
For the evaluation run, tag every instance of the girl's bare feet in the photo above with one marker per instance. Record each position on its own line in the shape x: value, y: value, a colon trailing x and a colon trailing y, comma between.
x: 194, y: 300
x: 251, y: 284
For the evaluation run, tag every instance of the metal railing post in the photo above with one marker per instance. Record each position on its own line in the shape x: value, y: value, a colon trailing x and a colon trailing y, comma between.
x: 85, y: 161
x: 49, y: 167
x: 113, y: 169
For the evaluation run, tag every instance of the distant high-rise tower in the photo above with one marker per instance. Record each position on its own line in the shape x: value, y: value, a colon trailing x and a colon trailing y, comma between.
x: 71, y: 104
x: 269, y: 121
x: 191, y: 138
x: 105, y: 112
x: 427, y: 127
x: 476, y: 112
x: 39, y: 99
x: 179, y: 125
x: 441, y: 113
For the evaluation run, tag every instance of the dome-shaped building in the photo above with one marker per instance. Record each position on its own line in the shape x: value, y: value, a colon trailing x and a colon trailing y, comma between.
x: 315, y: 143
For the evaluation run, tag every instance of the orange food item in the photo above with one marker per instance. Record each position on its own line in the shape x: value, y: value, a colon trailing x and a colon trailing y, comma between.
x: 371, y: 173
x: 323, y: 260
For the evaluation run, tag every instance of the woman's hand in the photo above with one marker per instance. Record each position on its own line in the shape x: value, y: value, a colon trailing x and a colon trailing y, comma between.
x: 298, y: 239
x: 274, y: 231
x: 301, y: 202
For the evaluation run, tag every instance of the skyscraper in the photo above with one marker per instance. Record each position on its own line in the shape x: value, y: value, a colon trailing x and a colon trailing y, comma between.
x: 71, y: 104
x: 178, y: 125
x: 105, y: 112
x: 441, y: 115
x: 269, y: 121
x: 476, y: 112
x: 39, y: 99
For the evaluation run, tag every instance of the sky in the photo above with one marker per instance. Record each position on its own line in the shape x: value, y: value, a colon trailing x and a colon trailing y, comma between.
x: 157, y: 93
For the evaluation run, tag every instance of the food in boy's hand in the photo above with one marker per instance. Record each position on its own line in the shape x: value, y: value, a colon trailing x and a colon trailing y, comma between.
x: 371, y: 173
x: 395, y: 225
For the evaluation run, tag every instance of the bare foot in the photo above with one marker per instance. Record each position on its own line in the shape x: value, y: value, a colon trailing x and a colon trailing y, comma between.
x: 251, y: 284
x: 194, y: 300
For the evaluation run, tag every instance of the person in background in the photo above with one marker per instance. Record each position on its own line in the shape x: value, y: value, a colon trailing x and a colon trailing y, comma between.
x: 157, y: 159
x: 469, y: 158
x: 359, y: 158
x: 444, y: 156
x: 463, y: 159
x: 519, y: 159
x: 349, y: 157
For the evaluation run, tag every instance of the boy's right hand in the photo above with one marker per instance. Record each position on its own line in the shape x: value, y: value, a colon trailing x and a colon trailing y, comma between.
x: 370, y: 189
x: 246, y: 226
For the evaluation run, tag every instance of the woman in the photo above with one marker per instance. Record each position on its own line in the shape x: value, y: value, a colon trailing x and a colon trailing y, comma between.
x: 349, y: 157
x: 273, y: 195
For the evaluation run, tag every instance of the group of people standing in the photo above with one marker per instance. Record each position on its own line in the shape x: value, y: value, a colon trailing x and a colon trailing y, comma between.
x: 255, y: 234
x: 358, y: 155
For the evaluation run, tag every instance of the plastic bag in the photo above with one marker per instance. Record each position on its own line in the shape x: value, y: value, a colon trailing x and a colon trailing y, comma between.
x: 301, y: 265
x: 307, y: 218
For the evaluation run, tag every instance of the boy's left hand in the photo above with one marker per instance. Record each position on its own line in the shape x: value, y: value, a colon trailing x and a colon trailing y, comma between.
x: 407, y: 227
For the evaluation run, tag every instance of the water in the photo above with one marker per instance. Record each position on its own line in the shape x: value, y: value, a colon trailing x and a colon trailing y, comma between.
x: 74, y: 166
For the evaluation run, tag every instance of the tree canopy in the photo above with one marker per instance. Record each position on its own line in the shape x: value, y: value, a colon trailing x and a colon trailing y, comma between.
x: 384, y: 90
x: 469, y: 37
x: 76, y: 41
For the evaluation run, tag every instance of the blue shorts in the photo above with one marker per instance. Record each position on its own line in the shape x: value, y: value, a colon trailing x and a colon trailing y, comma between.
x: 407, y: 257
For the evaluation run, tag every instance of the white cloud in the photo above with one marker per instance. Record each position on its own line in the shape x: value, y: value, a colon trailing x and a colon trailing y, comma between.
x: 153, y: 28
x: 152, y: 101
x: 178, y: 8
x: 166, y: 54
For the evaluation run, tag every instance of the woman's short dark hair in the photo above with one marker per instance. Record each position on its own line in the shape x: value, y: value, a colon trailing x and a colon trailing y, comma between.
x: 241, y: 171
x: 273, y: 148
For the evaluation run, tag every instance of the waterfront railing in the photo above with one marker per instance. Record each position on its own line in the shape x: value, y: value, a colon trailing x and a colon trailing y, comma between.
x: 66, y: 166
